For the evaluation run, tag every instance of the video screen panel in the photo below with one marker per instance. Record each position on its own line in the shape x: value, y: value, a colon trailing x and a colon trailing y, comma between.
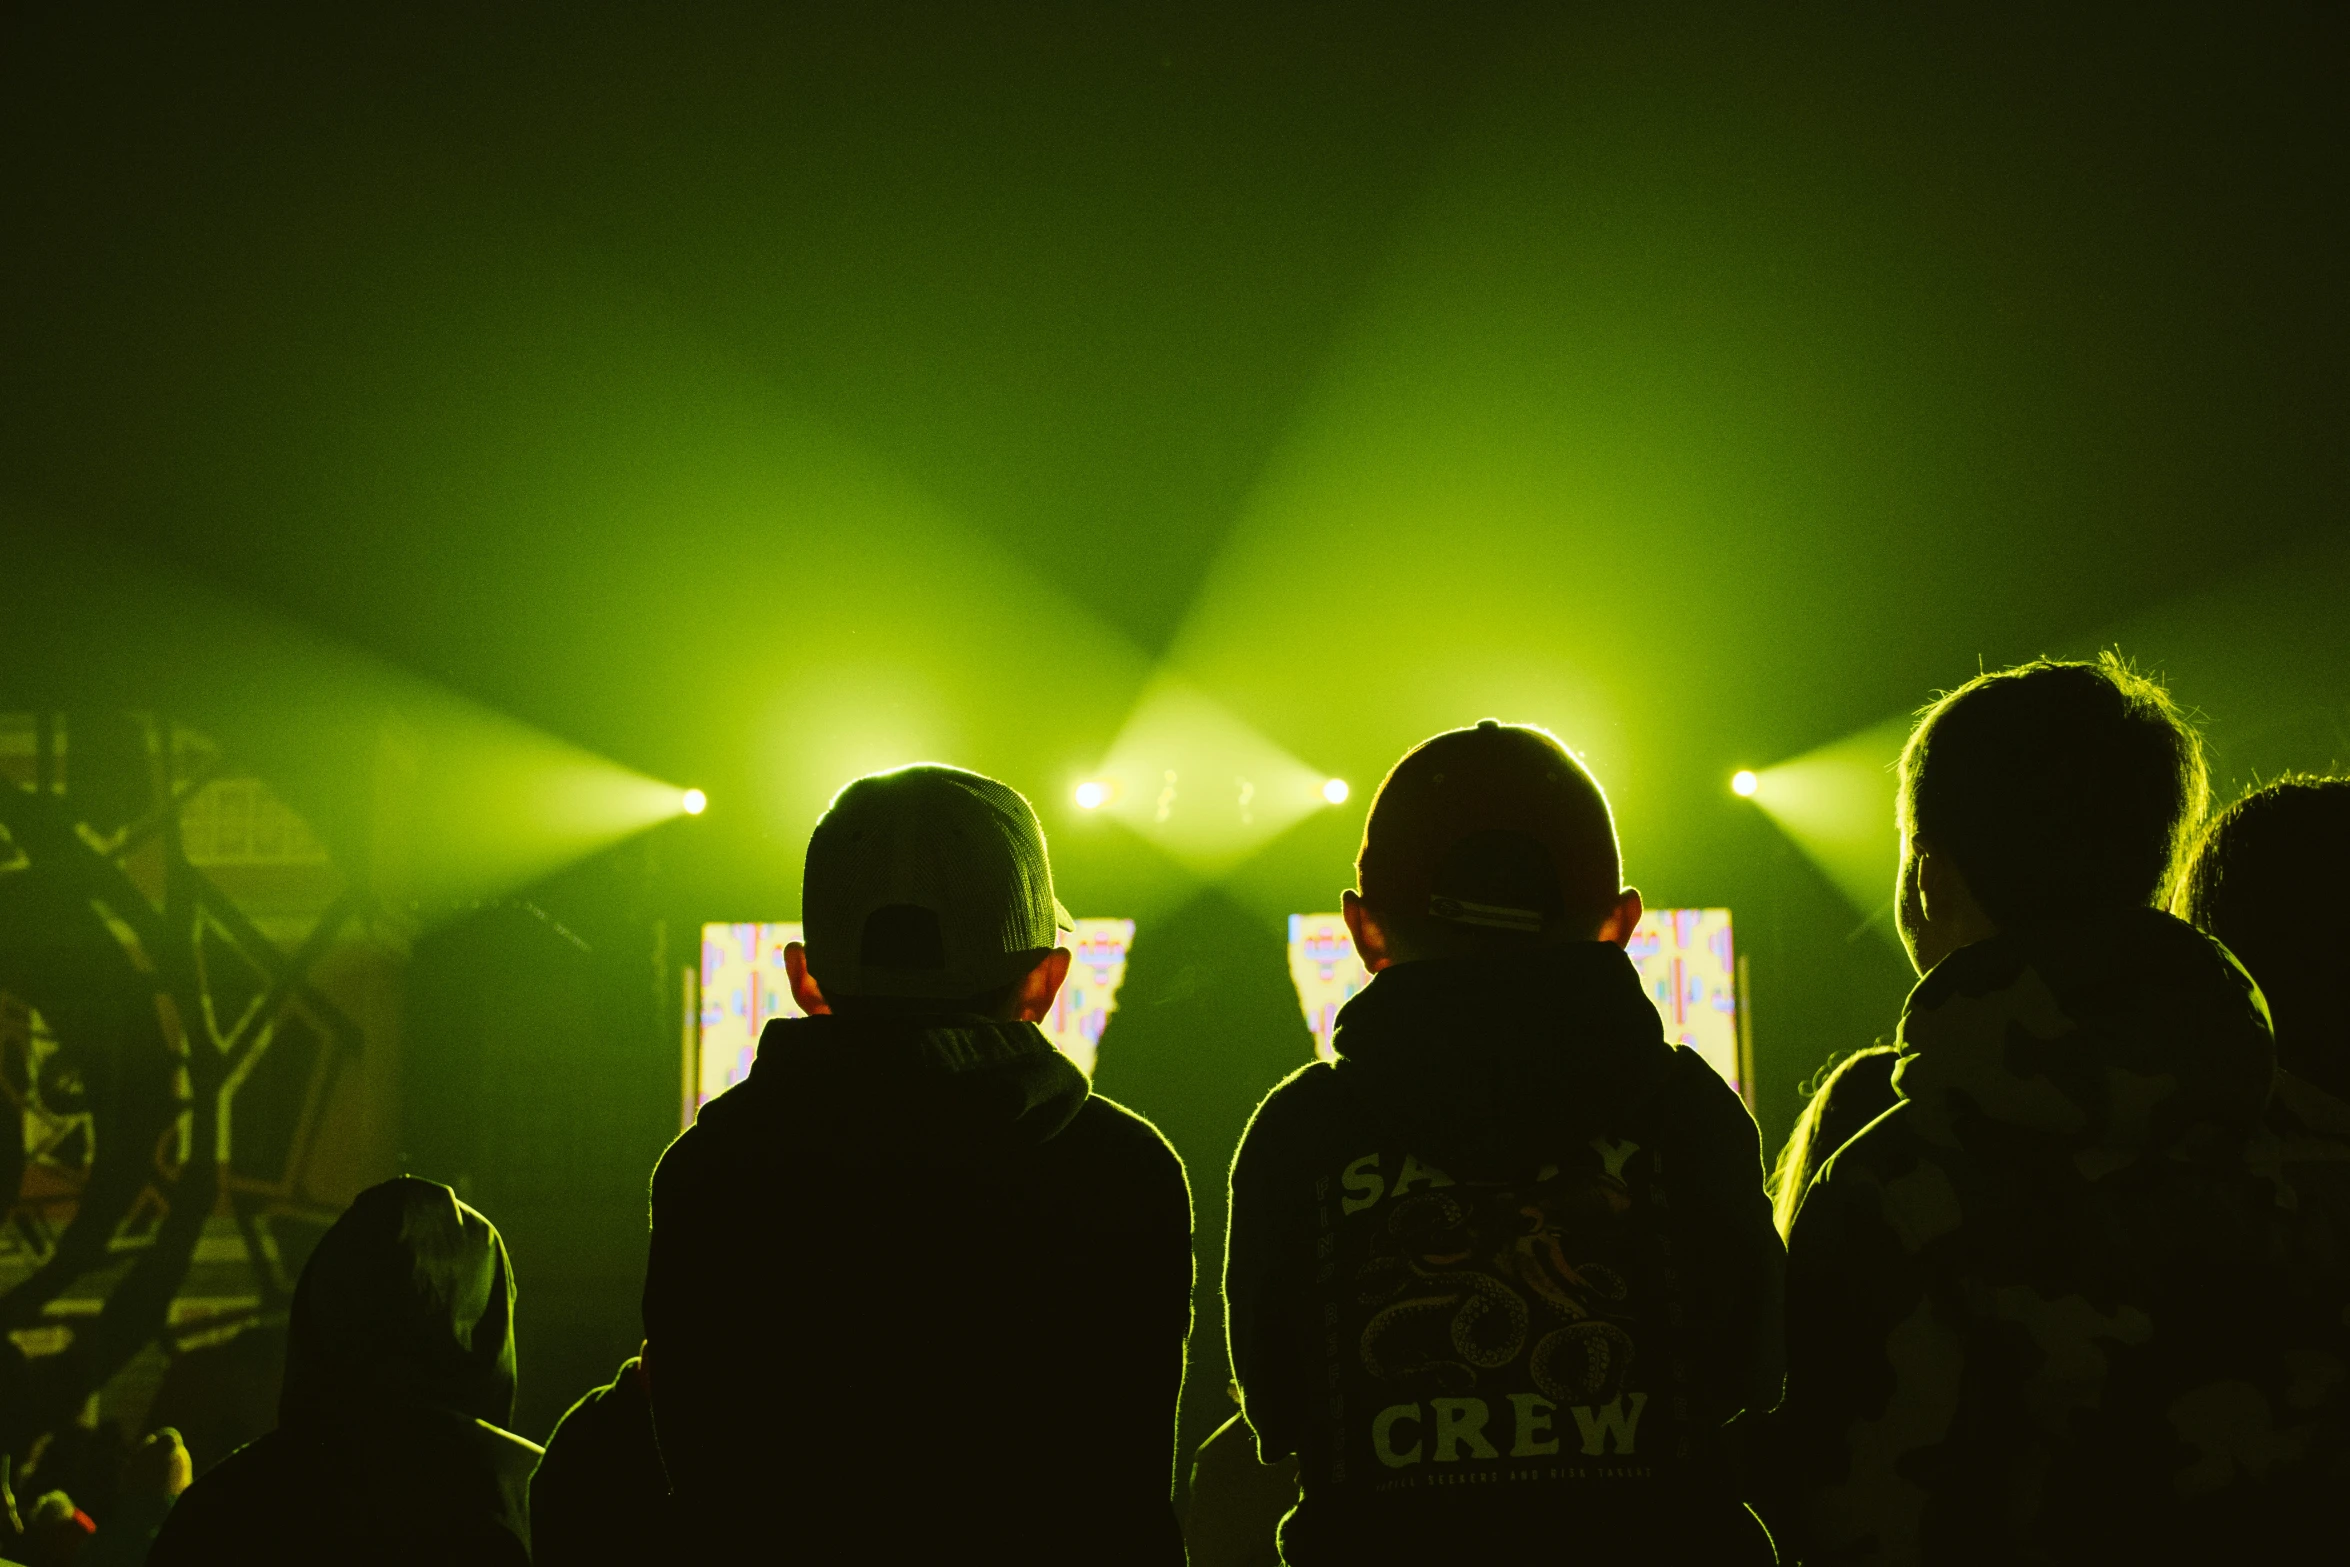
x: 1687, y: 961
x: 743, y: 985
x: 1326, y: 972
x: 1097, y: 967
x: 1689, y: 965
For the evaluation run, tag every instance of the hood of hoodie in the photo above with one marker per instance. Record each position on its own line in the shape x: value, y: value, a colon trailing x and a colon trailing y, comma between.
x: 408, y: 1300
x: 890, y: 1089
x: 2121, y: 1036
x: 1490, y: 1063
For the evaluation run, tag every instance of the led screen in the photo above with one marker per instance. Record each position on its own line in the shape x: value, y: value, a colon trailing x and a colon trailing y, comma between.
x: 742, y: 987
x: 1690, y: 969
x: 1097, y: 966
x: 1326, y: 972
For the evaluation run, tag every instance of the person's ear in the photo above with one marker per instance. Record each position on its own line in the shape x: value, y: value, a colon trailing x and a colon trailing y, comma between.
x: 1042, y: 986
x: 1946, y: 903
x: 1940, y: 888
x: 1623, y: 919
x: 803, y: 983
x: 1370, y: 940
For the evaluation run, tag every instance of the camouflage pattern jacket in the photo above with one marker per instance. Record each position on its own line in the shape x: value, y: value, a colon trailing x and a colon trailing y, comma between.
x: 2062, y: 1303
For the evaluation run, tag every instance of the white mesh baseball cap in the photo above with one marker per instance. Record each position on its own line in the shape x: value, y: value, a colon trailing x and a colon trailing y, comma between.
x: 927, y: 881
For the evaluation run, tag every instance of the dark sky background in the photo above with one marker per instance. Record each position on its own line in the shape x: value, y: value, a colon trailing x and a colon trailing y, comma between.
x: 1722, y: 379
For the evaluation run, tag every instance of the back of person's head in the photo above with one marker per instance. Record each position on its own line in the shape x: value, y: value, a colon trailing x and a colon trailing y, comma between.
x: 408, y: 1298
x: 2270, y: 880
x: 1852, y: 1093
x: 2057, y: 789
x: 1485, y: 839
x: 927, y: 886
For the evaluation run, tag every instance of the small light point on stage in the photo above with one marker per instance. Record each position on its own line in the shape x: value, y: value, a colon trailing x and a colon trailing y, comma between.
x: 1743, y: 784
x: 1335, y: 791
x: 1092, y: 794
x: 694, y: 801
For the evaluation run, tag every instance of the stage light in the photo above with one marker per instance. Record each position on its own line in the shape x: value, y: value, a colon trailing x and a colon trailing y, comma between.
x: 1335, y: 791
x: 1092, y: 794
x: 1743, y: 784
x: 694, y: 801
x: 1836, y: 805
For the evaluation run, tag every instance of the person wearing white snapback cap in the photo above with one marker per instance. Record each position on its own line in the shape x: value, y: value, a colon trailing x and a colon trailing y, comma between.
x: 916, y: 1292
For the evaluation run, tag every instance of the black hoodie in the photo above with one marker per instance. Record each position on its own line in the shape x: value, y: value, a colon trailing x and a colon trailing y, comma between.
x: 1500, y: 1274
x: 914, y: 1290
x: 390, y: 1446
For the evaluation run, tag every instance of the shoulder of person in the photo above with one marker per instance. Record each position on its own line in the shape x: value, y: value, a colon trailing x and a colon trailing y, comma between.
x: 1884, y: 1186
x: 1305, y: 1097
x: 1125, y: 1134
x: 213, y: 1517
x: 1291, y: 1128
x: 694, y: 1156
x: 626, y: 1391
x: 1886, y: 1148
x: 1705, y: 1098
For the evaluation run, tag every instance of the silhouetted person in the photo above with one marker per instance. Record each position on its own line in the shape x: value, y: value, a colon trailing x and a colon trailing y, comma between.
x: 391, y: 1443
x: 600, y: 1493
x: 1501, y: 1274
x: 915, y: 1294
x: 1854, y: 1092
x: 2032, y: 1309
x: 2267, y: 880
x: 2270, y: 881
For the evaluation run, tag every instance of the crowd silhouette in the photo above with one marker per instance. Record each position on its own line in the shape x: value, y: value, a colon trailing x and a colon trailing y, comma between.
x: 2059, y: 1274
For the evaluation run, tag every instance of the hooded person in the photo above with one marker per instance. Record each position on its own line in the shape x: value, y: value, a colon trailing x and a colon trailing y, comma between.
x: 915, y: 1292
x: 2044, y: 1309
x: 1501, y: 1273
x: 391, y: 1443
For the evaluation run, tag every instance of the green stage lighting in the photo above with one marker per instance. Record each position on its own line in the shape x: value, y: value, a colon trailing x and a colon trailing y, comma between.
x: 1092, y: 795
x: 1202, y: 784
x: 1335, y: 791
x: 1836, y: 805
x: 1743, y: 783
x: 694, y: 801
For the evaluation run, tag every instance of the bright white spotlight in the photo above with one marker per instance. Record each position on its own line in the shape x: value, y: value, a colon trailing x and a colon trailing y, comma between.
x: 1743, y: 784
x: 694, y: 801
x: 1092, y: 795
x: 1335, y: 791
